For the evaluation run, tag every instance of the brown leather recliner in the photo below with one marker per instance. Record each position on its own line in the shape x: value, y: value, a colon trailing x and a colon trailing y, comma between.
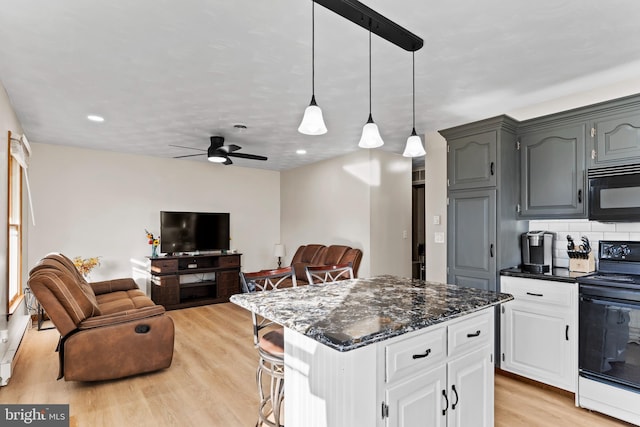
x: 315, y: 255
x: 108, y: 329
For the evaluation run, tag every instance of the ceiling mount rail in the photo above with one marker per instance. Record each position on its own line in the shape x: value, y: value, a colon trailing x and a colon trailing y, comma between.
x: 369, y: 19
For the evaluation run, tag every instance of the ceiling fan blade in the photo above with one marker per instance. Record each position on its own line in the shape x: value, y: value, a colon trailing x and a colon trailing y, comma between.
x: 190, y: 148
x: 228, y: 162
x: 231, y: 148
x: 188, y: 155
x: 247, y: 156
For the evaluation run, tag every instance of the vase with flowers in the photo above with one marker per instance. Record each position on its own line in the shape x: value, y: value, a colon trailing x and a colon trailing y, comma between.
x: 154, y: 242
x: 85, y: 265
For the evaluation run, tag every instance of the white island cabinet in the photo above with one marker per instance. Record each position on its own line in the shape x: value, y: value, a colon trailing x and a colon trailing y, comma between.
x: 385, y: 352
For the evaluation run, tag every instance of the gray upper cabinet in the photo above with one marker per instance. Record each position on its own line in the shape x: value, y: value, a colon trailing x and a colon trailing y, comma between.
x: 616, y: 140
x: 553, y: 172
x: 472, y: 248
x: 471, y: 161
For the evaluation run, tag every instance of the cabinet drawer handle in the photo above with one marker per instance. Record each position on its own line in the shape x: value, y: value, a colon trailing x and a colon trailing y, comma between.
x: 420, y: 356
x: 446, y: 401
x: 534, y: 295
x: 477, y: 334
x: 453, y: 388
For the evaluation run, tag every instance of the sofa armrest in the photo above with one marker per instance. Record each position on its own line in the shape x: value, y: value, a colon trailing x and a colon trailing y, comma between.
x: 106, y: 286
x: 121, y: 317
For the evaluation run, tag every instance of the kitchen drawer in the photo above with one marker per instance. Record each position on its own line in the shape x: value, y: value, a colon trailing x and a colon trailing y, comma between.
x: 540, y: 291
x: 469, y: 334
x: 411, y: 355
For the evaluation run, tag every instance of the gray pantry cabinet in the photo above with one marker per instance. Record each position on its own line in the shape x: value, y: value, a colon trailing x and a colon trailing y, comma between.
x: 482, y: 195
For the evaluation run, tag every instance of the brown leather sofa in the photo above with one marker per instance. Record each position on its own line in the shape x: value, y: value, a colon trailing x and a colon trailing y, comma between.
x: 108, y: 329
x: 315, y: 254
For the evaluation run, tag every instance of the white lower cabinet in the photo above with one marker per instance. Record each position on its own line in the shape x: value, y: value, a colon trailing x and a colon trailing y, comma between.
x: 539, y: 331
x: 442, y: 385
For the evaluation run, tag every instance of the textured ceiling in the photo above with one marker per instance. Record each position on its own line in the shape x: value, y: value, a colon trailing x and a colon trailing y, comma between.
x: 175, y: 72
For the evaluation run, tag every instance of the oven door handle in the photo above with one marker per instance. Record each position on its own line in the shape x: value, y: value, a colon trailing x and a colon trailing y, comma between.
x: 610, y: 301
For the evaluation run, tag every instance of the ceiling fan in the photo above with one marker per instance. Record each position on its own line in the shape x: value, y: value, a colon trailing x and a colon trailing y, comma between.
x: 218, y: 152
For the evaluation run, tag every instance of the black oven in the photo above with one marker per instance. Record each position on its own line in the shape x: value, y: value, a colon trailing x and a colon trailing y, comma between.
x: 614, y: 193
x: 609, y: 317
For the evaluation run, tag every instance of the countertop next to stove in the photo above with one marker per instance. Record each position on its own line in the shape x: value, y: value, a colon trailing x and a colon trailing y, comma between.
x: 557, y: 274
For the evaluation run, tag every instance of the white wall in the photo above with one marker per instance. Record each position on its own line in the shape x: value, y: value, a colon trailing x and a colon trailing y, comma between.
x: 390, y: 212
x: 98, y: 203
x: 436, y: 205
x: 358, y: 200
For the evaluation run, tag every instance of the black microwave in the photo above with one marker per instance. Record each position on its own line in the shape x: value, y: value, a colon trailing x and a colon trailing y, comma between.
x: 614, y: 194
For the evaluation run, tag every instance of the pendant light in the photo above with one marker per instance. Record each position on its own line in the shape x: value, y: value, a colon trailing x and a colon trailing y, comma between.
x: 370, y: 134
x: 414, y: 146
x: 312, y: 121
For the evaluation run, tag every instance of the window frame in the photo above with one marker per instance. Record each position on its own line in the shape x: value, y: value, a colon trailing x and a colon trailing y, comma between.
x: 15, y: 291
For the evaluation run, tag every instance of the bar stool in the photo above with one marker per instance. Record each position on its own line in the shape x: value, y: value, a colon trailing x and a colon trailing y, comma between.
x: 270, y: 346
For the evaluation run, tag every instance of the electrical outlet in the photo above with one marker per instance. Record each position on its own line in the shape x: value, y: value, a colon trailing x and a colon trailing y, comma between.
x: 405, y: 234
x: 438, y: 237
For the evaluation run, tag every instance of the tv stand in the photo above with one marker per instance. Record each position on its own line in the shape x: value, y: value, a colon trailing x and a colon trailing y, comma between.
x: 215, y: 278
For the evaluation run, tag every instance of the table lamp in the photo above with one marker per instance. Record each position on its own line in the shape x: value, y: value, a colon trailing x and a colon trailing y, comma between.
x: 279, y: 252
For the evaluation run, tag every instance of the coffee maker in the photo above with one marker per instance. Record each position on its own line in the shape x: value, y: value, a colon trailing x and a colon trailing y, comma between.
x: 537, y: 251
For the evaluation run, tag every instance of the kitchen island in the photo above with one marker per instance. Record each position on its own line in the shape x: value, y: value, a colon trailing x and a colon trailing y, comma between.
x: 384, y: 351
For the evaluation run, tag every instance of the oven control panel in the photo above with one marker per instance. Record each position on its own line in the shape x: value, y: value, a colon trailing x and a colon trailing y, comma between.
x: 620, y: 251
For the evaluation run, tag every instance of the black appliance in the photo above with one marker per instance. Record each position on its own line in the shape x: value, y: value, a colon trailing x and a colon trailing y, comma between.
x: 614, y: 194
x: 609, y: 317
x: 537, y: 251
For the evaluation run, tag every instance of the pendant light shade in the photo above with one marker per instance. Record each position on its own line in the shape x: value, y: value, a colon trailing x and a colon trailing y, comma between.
x: 312, y: 121
x: 370, y: 134
x: 414, y: 147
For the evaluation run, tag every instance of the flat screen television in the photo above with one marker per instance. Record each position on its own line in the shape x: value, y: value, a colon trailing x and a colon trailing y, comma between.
x: 193, y: 231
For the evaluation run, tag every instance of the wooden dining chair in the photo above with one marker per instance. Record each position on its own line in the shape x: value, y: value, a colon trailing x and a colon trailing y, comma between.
x: 320, y: 274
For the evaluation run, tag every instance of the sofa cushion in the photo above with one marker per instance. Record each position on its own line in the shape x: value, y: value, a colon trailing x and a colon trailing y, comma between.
x: 68, y: 292
x: 334, y: 253
x: 118, y: 301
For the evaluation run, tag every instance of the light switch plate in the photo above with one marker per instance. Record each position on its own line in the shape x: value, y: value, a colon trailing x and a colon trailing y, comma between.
x: 436, y: 220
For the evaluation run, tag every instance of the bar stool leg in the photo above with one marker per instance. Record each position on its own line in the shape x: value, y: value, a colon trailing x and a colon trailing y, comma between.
x: 271, y: 403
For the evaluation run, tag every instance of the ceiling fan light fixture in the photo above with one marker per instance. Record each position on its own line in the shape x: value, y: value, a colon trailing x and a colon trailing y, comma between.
x: 312, y: 121
x: 217, y: 158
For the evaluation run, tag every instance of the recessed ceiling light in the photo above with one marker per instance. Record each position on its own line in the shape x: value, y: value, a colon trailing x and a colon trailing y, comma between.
x: 95, y: 118
x: 301, y: 151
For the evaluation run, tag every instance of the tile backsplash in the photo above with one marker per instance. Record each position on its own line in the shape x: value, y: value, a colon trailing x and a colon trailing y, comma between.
x: 576, y: 228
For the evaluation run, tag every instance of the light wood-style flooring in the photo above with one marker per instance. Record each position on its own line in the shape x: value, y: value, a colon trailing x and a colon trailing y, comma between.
x: 212, y: 383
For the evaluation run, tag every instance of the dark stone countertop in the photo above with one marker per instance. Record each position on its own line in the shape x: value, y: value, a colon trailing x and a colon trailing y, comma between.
x: 557, y: 274
x: 358, y: 312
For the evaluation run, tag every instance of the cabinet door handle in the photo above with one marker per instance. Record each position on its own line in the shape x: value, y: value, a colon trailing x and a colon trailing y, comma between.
x: 477, y: 334
x: 579, y: 196
x: 420, y: 356
x: 453, y: 388
x: 492, y: 168
x: 534, y: 295
x: 491, y: 250
x: 566, y: 333
x: 446, y: 401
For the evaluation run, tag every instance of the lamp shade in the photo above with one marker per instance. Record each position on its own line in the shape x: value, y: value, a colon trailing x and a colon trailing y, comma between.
x: 414, y: 146
x: 312, y: 121
x: 279, y: 250
x: 370, y: 135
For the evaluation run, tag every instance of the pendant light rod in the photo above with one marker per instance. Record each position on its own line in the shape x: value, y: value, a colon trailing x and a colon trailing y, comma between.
x: 369, y: 68
x: 413, y: 80
x: 313, y: 49
x: 369, y: 19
